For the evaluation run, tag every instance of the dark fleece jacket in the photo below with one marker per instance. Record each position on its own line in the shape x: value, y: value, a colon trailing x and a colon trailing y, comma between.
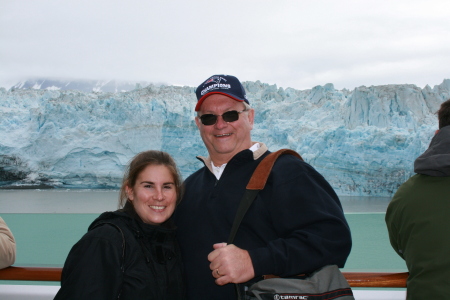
x: 120, y: 257
x: 295, y: 225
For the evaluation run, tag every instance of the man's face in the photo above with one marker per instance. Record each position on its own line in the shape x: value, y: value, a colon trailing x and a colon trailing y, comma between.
x: 223, y: 140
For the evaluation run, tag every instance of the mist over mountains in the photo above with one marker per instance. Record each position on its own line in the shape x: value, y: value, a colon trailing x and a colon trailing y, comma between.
x: 363, y: 141
x: 87, y: 86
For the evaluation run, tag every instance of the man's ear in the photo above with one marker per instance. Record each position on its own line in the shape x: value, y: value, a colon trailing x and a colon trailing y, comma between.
x: 197, y: 122
x: 251, y: 116
x: 436, y: 132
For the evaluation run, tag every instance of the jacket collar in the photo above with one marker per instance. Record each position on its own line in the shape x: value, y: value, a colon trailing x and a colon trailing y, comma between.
x: 256, y: 154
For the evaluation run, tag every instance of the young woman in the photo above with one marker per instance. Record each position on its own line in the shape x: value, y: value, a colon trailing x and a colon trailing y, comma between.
x: 131, y: 253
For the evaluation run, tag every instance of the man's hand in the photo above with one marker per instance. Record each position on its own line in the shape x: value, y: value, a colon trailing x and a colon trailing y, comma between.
x: 230, y: 264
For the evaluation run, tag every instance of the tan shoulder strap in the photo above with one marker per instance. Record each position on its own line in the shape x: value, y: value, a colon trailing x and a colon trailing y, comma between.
x: 261, y: 173
x: 256, y: 183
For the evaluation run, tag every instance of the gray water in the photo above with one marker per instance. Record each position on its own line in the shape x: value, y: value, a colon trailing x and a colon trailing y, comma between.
x: 98, y: 201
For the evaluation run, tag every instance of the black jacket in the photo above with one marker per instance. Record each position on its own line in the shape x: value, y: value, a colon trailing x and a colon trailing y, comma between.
x: 295, y: 225
x: 120, y: 257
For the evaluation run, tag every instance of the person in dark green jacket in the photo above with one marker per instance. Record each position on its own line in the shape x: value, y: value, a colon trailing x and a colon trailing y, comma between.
x: 417, y: 218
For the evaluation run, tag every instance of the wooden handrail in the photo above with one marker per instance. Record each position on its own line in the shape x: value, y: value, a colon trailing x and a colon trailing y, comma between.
x: 31, y: 273
x: 355, y: 279
x: 362, y: 279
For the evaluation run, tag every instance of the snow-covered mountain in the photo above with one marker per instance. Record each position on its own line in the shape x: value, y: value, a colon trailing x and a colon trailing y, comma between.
x: 87, y: 86
x: 363, y: 141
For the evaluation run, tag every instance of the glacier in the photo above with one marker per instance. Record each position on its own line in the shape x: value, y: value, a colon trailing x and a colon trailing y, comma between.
x: 363, y: 141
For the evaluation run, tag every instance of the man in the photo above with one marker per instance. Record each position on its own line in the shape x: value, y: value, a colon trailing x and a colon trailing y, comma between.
x: 295, y: 225
x: 417, y: 218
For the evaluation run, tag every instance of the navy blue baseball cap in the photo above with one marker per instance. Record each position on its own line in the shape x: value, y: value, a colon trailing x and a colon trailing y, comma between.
x: 220, y: 84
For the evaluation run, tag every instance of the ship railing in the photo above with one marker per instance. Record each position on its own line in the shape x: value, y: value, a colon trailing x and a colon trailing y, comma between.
x: 355, y: 279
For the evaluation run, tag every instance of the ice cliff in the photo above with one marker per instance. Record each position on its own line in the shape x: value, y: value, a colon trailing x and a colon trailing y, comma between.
x: 363, y: 141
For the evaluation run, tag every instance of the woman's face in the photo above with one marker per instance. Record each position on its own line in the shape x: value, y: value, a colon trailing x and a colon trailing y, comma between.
x: 154, y: 194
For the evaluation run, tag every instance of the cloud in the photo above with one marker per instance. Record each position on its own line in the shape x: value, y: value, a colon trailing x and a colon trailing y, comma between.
x: 296, y: 44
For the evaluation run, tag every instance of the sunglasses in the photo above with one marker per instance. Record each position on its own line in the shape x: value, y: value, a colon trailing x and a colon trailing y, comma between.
x: 229, y: 116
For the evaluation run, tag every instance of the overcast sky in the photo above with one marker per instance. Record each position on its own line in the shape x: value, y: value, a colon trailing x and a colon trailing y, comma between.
x: 298, y: 44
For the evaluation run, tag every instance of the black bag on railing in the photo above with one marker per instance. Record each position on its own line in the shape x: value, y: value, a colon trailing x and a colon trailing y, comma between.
x: 325, y: 283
